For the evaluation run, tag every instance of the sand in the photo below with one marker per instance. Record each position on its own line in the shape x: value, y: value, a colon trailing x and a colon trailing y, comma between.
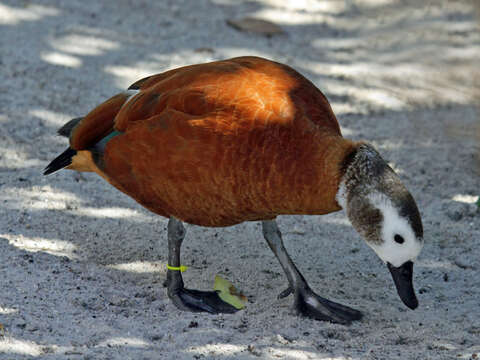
x: 82, y: 266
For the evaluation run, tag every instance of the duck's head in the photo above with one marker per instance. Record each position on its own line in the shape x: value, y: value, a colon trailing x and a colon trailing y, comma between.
x: 382, y: 210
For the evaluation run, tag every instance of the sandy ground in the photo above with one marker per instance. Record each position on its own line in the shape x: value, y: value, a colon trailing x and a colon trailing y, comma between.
x: 82, y: 266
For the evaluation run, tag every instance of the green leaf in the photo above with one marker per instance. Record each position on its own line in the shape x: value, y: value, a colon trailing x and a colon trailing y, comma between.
x: 228, y: 293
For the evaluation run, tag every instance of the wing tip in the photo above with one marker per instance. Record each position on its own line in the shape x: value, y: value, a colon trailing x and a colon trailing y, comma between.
x: 66, y: 129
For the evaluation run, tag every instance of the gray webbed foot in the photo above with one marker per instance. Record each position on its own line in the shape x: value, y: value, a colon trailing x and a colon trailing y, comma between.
x: 200, y: 301
x: 311, y: 305
x: 307, y: 303
x: 187, y: 299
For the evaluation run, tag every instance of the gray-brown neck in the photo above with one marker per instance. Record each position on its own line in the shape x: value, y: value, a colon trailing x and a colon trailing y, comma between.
x: 367, y: 177
x: 363, y: 171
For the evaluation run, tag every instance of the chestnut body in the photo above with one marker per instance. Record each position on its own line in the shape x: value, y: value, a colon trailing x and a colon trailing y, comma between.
x: 245, y: 139
x: 221, y: 143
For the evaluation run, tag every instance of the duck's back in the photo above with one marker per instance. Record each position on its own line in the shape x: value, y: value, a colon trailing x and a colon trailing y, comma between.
x: 220, y: 143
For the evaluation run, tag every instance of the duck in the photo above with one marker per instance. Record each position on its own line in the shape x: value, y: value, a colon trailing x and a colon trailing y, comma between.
x: 245, y: 139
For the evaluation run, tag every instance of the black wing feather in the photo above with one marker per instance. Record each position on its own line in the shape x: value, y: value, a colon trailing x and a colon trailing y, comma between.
x: 66, y: 129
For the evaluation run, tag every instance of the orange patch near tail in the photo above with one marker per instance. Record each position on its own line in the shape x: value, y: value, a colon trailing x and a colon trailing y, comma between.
x: 82, y: 161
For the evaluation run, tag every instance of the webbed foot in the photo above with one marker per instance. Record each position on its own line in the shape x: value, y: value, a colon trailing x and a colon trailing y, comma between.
x: 307, y: 303
x: 311, y: 305
x: 186, y: 299
x: 200, y: 301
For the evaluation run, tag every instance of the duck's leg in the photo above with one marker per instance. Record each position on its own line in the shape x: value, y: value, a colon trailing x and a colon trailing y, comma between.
x: 307, y: 303
x: 186, y: 299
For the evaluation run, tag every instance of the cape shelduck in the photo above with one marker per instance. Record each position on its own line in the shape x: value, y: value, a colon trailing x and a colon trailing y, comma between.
x: 238, y: 140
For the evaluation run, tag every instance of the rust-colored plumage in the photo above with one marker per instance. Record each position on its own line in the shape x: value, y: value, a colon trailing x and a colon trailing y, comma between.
x: 219, y: 143
x: 245, y: 139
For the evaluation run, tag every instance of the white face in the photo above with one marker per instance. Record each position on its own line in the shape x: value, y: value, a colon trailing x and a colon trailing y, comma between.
x: 399, y: 243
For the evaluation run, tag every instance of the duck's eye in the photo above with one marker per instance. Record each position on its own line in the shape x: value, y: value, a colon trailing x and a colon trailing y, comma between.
x: 399, y: 239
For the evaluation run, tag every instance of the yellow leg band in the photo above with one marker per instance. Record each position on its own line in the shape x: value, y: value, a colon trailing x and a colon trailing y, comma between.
x: 180, y: 268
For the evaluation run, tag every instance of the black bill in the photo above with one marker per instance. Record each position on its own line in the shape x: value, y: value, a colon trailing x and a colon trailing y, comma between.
x: 402, y: 277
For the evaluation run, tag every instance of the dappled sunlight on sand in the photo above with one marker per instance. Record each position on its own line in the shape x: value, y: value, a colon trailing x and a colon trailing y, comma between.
x: 83, y: 44
x: 34, y: 244
x: 383, y: 99
x: 395, y: 87
x: 127, y: 75
x: 39, y: 197
x: 226, y: 349
x: 239, y: 51
x: 55, y: 118
x: 467, y: 199
x: 313, y: 6
x: 69, y: 49
x: 141, y: 267
x: 276, y: 353
x: 10, y: 345
x: 5, y: 310
x: 56, y: 58
x: 10, y: 15
x: 406, y: 70
x: 44, y: 197
x: 110, y: 212
x: 301, y: 17
x: 157, y: 63
x: 335, y: 220
x: 264, y: 352
x: 12, y: 158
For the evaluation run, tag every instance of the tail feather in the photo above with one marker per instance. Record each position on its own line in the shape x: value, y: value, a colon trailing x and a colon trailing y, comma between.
x: 61, y: 161
x: 66, y: 129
